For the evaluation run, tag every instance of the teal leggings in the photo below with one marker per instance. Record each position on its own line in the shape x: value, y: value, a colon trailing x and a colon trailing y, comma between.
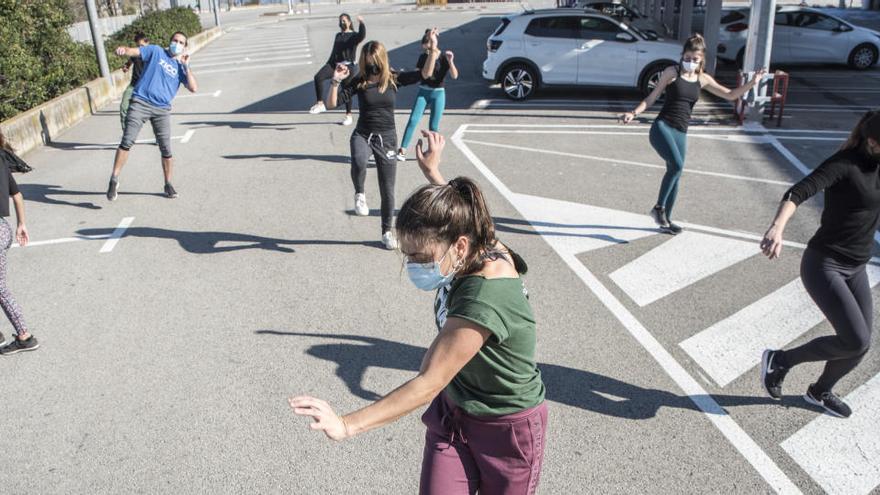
x: 436, y: 97
x: 671, y: 145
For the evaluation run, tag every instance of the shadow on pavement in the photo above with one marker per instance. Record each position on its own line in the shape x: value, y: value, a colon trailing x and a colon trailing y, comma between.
x: 277, y: 157
x: 208, y: 242
x: 45, y: 193
x: 572, y: 387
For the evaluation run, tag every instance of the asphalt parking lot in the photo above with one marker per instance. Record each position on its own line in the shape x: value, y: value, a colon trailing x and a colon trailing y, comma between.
x: 174, y: 331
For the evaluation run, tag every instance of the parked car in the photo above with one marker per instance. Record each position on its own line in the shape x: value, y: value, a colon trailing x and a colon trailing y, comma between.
x: 629, y: 13
x: 569, y: 47
x: 803, y: 36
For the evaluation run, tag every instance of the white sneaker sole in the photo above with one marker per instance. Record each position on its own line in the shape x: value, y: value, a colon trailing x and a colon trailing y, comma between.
x: 810, y: 400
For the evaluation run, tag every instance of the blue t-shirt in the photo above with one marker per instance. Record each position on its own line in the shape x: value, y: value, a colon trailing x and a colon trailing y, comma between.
x: 161, y: 78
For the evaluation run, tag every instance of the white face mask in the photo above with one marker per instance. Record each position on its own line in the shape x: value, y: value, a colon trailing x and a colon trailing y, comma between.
x: 690, y: 66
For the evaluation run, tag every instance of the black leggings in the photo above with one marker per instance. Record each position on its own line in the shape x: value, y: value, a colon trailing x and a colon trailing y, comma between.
x: 843, y: 294
x: 383, y: 147
x: 322, y: 77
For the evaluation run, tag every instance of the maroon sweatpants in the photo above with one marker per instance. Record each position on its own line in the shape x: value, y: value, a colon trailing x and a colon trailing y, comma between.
x: 495, y: 455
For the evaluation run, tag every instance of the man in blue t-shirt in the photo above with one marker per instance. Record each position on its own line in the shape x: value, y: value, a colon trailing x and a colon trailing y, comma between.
x: 165, y: 69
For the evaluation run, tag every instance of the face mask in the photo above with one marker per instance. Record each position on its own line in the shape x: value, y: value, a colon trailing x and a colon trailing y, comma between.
x: 175, y: 48
x: 690, y: 66
x: 372, y: 70
x: 427, y: 276
x: 342, y: 25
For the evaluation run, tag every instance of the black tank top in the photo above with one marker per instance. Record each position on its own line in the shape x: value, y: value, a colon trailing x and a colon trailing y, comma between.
x: 681, y: 96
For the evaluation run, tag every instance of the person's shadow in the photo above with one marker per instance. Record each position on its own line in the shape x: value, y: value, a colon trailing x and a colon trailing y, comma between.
x: 569, y: 386
x: 209, y: 242
x: 48, y: 194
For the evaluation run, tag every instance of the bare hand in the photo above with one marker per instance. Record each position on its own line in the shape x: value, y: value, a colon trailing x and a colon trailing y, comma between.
x: 627, y: 117
x: 433, y: 43
x: 21, y: 235
x: 429, y: 159
x: 184, y: 59
x: 342, y: 71
x: 771, y: 244
x: 759, y: 76
x: 121, y: 51
x: 325, y: 419
x: 449, y: 55
x: 360, y: 19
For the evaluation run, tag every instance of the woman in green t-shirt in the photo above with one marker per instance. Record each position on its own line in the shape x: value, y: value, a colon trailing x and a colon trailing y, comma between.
x: 487, y: 419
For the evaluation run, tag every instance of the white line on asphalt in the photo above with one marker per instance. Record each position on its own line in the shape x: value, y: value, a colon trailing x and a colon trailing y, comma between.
x: 248, y: 60
x: 595, y: 126
x: 215, y: 94
x: 678, y: 263
x: 117, y: 234
x: 612, y: 161
x: 64, y: 240
x: 733, y: 345
x: 747, y: 447
x: 247, y: 52
x: 188, y: 134
x: 260, y: 67
x: 843, y: 455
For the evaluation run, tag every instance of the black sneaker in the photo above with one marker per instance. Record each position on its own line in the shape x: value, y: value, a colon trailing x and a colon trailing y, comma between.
x: 658, y: 214
x: 112, y: 190
x: 772, y: 374
x: 828, y: 401
x: 17, y: 346
x: 672, y: 229
x: 170, y: 193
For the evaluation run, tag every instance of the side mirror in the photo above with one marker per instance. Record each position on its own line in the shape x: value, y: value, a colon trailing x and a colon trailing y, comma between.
x: 625, y: 37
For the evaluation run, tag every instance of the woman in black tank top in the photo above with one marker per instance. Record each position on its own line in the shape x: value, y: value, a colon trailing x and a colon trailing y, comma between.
x: 668, y: 135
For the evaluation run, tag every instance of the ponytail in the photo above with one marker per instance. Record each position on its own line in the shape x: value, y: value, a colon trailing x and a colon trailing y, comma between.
x: 867, y: 127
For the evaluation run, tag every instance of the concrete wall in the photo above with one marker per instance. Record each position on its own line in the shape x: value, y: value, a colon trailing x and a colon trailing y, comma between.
x: 42, y: 124
x: 107, y: 25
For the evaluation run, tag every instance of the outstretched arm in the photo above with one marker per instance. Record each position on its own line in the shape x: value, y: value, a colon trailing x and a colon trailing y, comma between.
x: 711, y: 85
x: 458, y: 342
x: 428, y: 156
x: 124, y: 51
x: 665, y: 79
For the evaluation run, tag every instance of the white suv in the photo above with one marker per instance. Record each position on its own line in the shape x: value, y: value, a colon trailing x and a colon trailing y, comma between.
x: 568, y: 47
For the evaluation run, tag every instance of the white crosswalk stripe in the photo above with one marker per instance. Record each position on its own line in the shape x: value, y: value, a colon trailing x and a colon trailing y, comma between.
x: 843, y: 456
x: 266, y: 49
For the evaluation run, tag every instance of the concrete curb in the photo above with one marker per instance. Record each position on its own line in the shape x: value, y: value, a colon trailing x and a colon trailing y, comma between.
x: 37, y: 126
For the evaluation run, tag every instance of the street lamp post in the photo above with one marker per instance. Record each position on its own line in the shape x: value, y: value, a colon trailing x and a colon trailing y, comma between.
x: 98, y: 40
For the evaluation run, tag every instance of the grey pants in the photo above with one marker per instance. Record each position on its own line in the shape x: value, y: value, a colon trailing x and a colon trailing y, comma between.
x: 843, y: 294
x: 384, y: 148
x: 138, y: 113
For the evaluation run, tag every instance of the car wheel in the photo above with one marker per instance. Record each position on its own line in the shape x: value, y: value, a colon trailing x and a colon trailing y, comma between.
x: 651, y: 77
x: 863, y: 57
x: 519, y: 82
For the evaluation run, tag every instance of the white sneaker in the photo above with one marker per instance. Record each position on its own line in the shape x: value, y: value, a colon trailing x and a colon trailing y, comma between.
x: 360, y: 205
x: 389, y: 241
x: 347, y: 120
x: 318, y: 108
x: 401, y: 157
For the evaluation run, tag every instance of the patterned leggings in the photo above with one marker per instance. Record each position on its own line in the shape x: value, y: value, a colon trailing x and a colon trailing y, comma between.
x: 10, y: 307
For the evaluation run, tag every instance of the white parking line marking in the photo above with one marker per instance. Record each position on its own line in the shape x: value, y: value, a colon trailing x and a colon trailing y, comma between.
x: 115, y: 145
x: 733, y: 346
x: 843, y: 455
x: 63, y: 240
x: 678, y: 263
x: 747, y: 447
x: 253, y: 61
x: 117, y: 234
x: 260, y: 67
x: 611, y: 161
x: 215, y: 94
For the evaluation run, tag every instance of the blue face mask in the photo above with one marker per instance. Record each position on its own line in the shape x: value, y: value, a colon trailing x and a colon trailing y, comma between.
x: 175, y: 48
x: 427, y: 276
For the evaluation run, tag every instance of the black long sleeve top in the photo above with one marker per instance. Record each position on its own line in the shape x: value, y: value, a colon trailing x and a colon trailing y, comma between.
x: 376, y: 109
x: 851, y: 181
x: 345, y: 45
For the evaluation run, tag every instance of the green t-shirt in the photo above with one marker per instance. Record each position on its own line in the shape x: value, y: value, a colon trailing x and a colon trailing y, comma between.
x: 503, y: 377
